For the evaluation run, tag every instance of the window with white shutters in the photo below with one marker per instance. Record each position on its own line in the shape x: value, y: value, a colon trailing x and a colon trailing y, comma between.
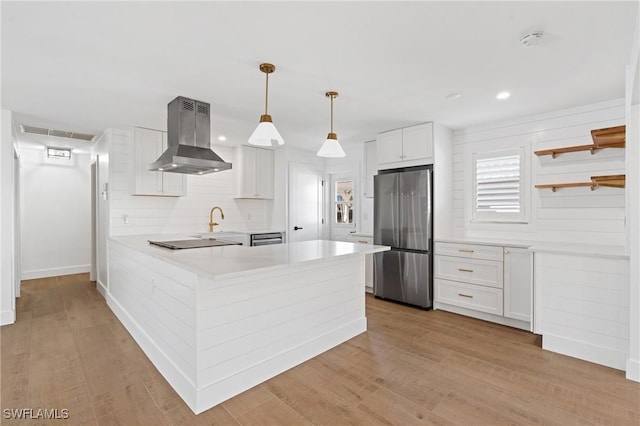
x: 499, y: 187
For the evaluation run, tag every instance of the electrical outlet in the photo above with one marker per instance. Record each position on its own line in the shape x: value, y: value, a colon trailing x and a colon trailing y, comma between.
x: 125, y: 219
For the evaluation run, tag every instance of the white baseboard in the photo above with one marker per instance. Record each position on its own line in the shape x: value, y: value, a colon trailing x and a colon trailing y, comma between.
x: 215, y: 393
x: 522, y: 325
x: 633, y: 370
x: 102, y: 289
x: 586, y: 351
x: 7, y: 317
x: 55, y: 272
x: 176, y: 378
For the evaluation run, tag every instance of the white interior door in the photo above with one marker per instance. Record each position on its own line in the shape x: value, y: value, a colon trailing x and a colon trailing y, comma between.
x: 305, y: 202
x: 342, y: 206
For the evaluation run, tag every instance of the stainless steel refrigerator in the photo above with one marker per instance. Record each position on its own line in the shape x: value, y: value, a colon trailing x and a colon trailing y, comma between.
x: 403, y: 220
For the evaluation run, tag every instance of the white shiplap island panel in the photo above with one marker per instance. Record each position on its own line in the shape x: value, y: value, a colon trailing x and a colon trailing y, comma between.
x: 217, y: 321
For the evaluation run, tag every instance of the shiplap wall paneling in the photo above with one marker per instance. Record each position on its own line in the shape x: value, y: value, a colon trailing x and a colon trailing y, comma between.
x: 583, y: 306
x: 188, y: 214
x: 573, y: 215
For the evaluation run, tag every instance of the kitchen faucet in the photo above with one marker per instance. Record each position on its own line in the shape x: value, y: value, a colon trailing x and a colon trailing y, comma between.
x: 211, y: 222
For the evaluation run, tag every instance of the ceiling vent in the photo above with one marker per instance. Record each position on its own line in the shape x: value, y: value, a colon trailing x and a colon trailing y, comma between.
x: 56, y: 133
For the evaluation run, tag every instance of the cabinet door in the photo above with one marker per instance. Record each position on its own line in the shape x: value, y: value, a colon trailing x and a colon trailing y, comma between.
x: 417, y: 142
x: 147, y: 147
x: 389, y: 147
x: 173, y: 184
x: 370, y: 167
x: 518, y: 283
x: 264, y: 173
x: 246, y: 187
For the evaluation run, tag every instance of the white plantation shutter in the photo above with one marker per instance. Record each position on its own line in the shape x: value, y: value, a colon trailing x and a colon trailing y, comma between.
x: 498, y: 187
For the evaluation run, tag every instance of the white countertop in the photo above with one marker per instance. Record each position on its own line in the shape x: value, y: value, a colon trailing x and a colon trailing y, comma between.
x: 229, y: 261
x: 547, y: 247
x: 596, y: 250
x: 485, y: 242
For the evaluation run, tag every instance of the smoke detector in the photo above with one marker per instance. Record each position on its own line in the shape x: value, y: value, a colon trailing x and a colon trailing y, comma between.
x: 531, y: 39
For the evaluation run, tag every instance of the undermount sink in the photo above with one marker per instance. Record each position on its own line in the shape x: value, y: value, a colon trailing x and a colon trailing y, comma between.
x: 188, y: 244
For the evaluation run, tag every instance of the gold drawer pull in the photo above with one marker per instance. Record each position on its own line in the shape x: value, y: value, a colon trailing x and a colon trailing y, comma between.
x: 465, y: 295
x: 363, y: 242
x: 465, y: 251
x: 465, y: 270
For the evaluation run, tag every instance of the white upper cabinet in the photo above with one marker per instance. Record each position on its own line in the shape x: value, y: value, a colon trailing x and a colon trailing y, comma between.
x: 254, y: 172
x: 370, y: 167
x: 411, y: 146
x: 148, y: 145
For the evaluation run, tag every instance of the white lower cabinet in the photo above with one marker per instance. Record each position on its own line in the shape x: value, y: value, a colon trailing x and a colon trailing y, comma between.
x: 368, y: 260
x: 518, y: 276
x: 489, y: 282
x: 476, y: 297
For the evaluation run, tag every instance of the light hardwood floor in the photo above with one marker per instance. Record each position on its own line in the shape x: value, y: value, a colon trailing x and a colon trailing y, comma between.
x: 67, y: 350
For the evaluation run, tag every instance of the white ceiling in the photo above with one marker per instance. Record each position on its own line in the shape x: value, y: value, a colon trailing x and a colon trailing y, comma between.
x: 88, y: 66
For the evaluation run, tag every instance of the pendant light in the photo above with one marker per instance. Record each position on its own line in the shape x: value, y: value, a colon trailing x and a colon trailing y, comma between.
x: 266, y: 133
x: 331, y: 147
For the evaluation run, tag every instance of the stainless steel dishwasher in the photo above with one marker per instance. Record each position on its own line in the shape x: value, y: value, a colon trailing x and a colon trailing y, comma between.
x: 266, y: 239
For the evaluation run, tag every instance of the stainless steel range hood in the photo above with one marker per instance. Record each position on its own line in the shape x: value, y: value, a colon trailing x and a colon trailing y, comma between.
x: 189, y: 140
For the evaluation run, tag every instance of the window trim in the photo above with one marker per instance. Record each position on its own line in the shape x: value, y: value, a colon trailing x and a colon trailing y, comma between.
x: 525, y: 203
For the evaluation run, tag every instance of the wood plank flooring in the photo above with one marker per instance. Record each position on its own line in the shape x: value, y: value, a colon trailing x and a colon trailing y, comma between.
x: 67, y: 350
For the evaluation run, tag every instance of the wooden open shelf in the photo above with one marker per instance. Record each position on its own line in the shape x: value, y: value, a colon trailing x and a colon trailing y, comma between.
x: 555, y: 186
x: 610, y: 137
x: 613, y: 181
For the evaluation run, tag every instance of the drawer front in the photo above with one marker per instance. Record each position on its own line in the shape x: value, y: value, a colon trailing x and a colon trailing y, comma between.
x: 361, y: 240
x: 470, y: 251
x: 478, y: 298
x: 473, y: 271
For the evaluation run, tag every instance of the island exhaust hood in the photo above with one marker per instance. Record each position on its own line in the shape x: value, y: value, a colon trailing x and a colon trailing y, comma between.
x: 189, y: 140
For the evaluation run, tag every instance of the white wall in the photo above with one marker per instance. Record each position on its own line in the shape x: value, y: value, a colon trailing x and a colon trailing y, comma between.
x: 188, y: 214
x: 633, y: 202
x: 7, y: 267
x: 56, y: 214
x: 573, y: 215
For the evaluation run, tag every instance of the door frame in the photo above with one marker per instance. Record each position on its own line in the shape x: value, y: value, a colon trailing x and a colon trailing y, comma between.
x: 93, y: 272
x: 329, y: 194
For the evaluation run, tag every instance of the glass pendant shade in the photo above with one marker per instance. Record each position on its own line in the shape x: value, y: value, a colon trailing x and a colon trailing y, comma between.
x: 266, y: 134
x: 331, y: 147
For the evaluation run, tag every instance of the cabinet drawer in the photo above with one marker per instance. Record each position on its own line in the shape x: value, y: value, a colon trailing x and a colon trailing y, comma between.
x: 478, y: 298
x: 360, y: 239
x: 471, y: 251
x: 474, y: 271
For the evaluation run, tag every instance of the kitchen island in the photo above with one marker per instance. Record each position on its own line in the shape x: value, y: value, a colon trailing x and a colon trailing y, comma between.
x: 218, y: 321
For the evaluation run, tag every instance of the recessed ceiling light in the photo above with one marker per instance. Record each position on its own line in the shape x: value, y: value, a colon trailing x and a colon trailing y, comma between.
x: 454, y: 95
x: 222, y: 138
x: 503, y: 95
